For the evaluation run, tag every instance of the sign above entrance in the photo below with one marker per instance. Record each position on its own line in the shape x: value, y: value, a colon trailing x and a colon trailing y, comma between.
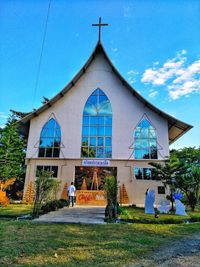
x: 96, y: 162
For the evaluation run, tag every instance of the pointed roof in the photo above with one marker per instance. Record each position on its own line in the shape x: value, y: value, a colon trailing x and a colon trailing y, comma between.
x: 176, y: 127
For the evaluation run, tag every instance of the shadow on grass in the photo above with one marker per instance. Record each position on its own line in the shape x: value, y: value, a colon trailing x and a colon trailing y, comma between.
x: 28, y: 244
x: 13, y: 211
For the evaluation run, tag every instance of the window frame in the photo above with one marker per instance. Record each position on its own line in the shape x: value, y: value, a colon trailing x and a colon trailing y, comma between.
x: 97, y: 127
x: 142, y: 170
x: 47, y: 168
x: 52, y: 151
x: 145, y: 134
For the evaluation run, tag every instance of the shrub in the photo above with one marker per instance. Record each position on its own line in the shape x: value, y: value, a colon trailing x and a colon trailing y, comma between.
x: 111, y: 195
x: 46, y: 188
x: 54, y: 205
x: 64, y: 201
x: 46, y: 208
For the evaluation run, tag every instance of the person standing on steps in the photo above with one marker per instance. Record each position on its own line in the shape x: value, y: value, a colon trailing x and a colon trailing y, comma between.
x: 71, y: 194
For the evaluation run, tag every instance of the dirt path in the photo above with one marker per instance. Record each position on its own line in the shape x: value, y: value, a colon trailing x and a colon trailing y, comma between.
x: 183, y: 253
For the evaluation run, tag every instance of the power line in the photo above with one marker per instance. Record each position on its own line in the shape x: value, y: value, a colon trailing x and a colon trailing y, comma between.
x: 41, y: 54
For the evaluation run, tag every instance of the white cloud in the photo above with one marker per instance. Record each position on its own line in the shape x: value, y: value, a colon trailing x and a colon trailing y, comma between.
x: 3, y: 115
x: 132, y: 76
x: 3, y: 119
x: 183, y: 52
x: 153, y: 94
x: 127, y: 12
x: 114, y: 50
x: 180, y: 80
x: 184, y: 88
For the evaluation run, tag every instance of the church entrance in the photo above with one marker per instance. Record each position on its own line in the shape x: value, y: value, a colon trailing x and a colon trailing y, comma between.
x: 89, y: 183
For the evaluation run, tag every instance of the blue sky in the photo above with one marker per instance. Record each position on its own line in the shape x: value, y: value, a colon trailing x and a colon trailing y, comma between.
x: 154, y: 44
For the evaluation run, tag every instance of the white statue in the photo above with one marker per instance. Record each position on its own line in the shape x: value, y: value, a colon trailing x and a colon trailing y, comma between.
x: 180, y: 208
x: 164, y: 206
x: 149, y: 202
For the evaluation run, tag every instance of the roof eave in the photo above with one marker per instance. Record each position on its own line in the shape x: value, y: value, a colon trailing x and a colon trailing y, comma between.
x: 99, y: 47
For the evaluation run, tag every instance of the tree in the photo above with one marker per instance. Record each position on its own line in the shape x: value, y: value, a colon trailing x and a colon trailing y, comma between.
x: 18, y: 115
x: 111, y: 195
x: 166, y: 172
x: 45, y: 189
x: 188, y: 175
x: 187, y: 155
x: 188, y: 181
x: 12, y: 152
x: 12, y: 155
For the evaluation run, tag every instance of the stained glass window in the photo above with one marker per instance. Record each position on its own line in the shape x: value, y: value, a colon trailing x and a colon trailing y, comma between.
x: 97, y: 127
x: 145, y: 141
x: 50, y: 139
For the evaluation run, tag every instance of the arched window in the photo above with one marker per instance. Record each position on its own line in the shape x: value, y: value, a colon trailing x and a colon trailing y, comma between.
x: 50, y: 139
x: 97, y: 127
x: 145, y: 145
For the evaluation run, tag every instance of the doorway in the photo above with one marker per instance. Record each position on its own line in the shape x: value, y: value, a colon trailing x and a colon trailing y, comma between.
x: 89, y: 183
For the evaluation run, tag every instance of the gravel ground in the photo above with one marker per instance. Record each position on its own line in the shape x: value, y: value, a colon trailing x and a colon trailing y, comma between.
x: 183, y: 253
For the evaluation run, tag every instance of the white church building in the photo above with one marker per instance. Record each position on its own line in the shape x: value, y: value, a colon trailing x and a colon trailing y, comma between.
x: 98, y: 126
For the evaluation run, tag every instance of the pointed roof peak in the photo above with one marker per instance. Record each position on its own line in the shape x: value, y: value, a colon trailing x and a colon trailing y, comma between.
x: 176, y: 127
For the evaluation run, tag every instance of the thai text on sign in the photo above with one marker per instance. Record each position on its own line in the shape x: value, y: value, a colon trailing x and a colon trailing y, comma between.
x: 94, y: 162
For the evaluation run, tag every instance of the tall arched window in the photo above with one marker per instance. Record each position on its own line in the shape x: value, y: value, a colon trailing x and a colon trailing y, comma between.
x: 97, y: 127
x: 50, y: 139
x: 145, y: 144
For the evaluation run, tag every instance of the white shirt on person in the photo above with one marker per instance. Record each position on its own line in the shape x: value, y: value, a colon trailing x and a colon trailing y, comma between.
x: 71, y: 190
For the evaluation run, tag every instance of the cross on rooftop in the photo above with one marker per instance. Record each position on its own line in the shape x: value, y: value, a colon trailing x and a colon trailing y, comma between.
x: 100, y: 25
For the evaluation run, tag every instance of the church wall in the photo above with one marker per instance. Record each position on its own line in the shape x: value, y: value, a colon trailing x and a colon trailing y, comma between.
x: 66, y: 174
x: 127, y: 112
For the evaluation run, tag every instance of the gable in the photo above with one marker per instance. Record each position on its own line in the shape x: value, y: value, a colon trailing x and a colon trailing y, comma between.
x: 100, y: 63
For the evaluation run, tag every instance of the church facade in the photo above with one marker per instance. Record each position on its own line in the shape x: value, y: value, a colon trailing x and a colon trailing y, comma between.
x: 98, y: 126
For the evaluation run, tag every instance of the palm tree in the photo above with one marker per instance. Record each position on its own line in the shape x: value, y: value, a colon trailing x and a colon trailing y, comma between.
x: 166, y: 172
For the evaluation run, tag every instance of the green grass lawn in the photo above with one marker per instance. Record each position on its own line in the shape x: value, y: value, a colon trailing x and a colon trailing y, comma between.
x: 130, y: 214
x: 137, y: 215
x: 31, y: 244
x: 15, y: 210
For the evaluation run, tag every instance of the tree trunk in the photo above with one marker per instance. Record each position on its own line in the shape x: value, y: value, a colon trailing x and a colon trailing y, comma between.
x: 172, y: 200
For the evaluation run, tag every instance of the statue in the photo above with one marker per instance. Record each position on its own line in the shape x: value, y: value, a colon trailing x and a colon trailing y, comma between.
x: 4, y: 200
x: 149, y: 202
x: 180, y: 208
x: 164, y: 206
x: 84, y: 185
x: 95, y: 184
